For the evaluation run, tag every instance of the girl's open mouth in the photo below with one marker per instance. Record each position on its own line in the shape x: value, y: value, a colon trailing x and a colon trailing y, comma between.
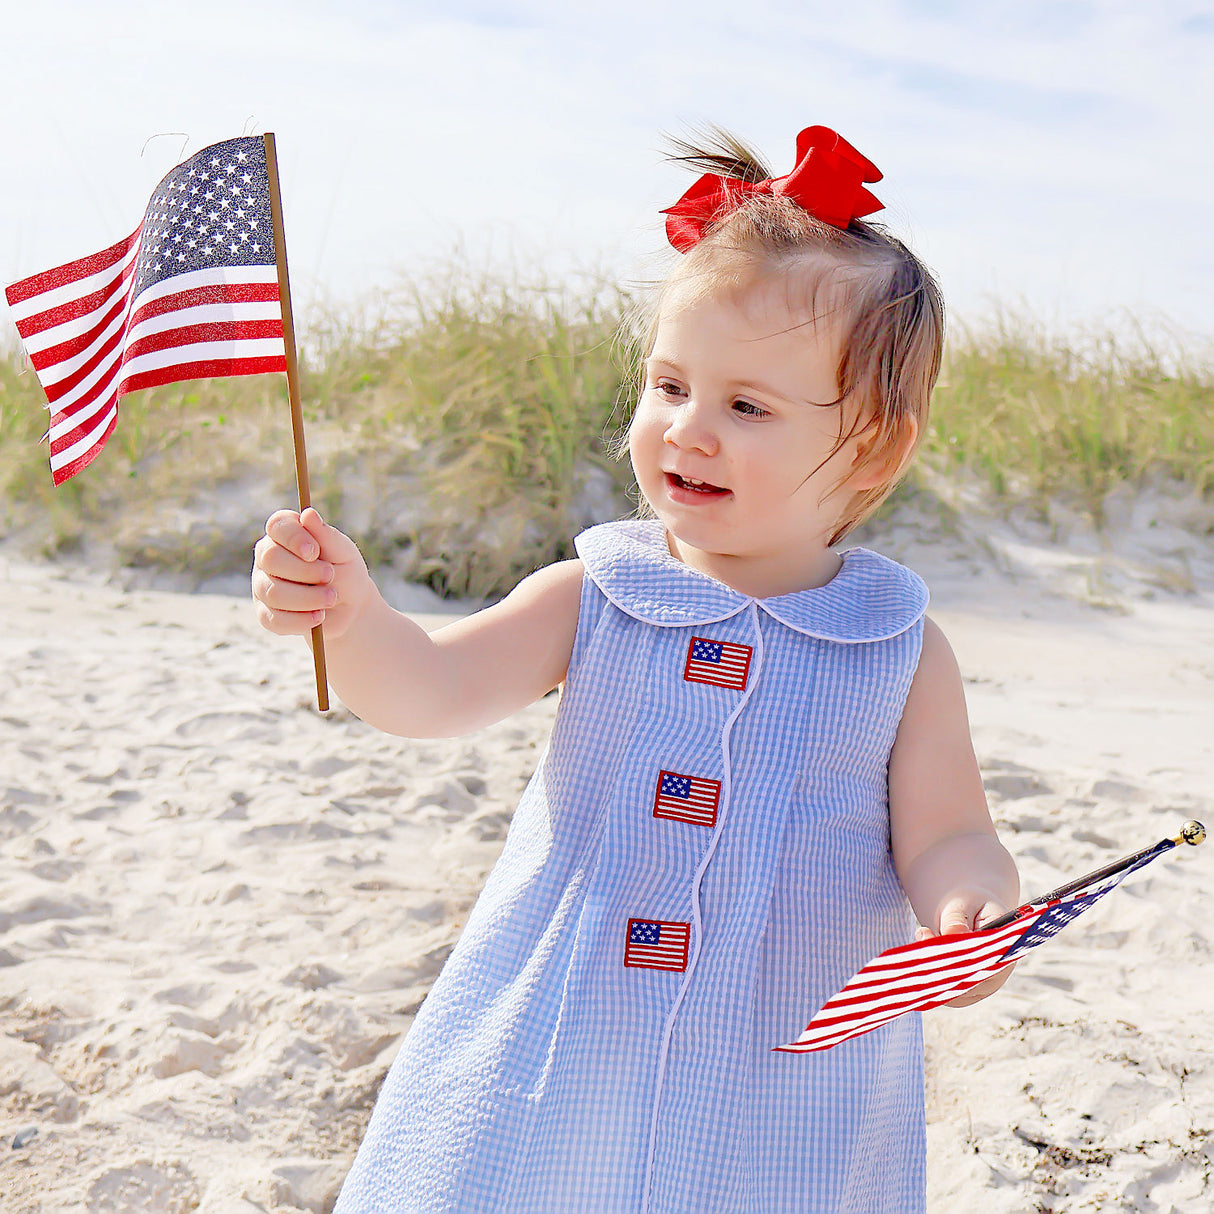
x: 686, y: 485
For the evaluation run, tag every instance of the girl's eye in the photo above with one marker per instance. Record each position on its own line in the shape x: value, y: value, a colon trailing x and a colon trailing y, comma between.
x: 670, y: 390
x: 747, y: 409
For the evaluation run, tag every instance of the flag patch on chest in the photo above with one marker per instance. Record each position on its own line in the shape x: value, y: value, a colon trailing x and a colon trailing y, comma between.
x: 686, y: 799
x: 720, y: 663
x: 653, y: 944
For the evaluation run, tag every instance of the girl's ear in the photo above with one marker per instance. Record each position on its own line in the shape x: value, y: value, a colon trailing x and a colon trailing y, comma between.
x: 873, y: 466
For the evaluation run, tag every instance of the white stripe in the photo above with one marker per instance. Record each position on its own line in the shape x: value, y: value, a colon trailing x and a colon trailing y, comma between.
x: 61, y: 458
x: 205, y: 351
x: 868, y: 989
x: 851, y: 1028
x: 97, y: 403
x: 57, y: 372
x: 71, y: 291
x: 204, y: 314
x: 942, y: 948
x: 74, y: 327
x: 211, y: 277
x: 876, y: 976
x: 99, y: 378
x: 834, y: 1033
x: 904, y: 999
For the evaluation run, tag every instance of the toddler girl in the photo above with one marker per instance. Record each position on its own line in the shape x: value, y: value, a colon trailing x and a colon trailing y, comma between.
x: 759, y: 777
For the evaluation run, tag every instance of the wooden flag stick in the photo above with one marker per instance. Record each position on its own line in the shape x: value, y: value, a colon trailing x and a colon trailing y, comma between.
x: 297, y: 430
x: 1192, y: 833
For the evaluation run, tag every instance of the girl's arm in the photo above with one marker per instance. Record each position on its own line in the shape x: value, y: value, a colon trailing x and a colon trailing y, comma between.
x: 388, y: 670
x: 955, y: 871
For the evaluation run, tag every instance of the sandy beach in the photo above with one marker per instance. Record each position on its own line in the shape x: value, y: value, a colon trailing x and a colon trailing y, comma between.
x: 219, y: 910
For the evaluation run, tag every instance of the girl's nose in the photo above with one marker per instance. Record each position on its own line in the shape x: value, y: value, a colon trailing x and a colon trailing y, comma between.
x: 690, y: 430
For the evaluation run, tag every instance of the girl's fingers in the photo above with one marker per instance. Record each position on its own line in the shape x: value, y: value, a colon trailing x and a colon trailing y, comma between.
x: 285, y: 529
x: 309, y: 537
x: 954, y: 917
x: 334, y: 545
x: 288, y: 623
x: 279, y: 594
x: 962, y: 914
x: 280, y: 562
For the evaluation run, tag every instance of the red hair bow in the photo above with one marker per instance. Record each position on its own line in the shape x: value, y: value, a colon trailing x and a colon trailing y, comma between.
x: 827, y: 182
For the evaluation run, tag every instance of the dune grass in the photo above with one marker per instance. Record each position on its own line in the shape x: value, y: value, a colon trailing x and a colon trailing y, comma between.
x: 1038, y: 416
x: 461, y: 428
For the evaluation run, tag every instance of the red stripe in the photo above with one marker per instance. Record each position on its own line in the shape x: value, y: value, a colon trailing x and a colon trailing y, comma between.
x: 202, y: 370
x: 60, y: 388
x: 238, y: 329
x: 825, y: 1040
x: 73, y: 271
x: 899, y: 998
x: 873, y: 975
x: 65, y: 350
x: 895, y: 958
x: 103, y: 391
x: 855, y: 993
x: 117, y: 288
x: 218, y: 293
x: 175, y: 373
x: 212, y: 333
x: 171, y: 374
x: 59, y: 475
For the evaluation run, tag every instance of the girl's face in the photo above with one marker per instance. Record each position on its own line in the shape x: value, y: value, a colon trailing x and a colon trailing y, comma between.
x: 727, y: 435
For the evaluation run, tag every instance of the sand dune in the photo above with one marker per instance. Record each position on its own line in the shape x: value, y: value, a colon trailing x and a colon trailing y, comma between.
x: 219, y: 910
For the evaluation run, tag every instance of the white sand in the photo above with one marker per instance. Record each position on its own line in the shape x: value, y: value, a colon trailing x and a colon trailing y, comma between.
x: 219, y: 911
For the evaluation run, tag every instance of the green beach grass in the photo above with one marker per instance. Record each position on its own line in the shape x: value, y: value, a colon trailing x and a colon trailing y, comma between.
x: 462, y: 430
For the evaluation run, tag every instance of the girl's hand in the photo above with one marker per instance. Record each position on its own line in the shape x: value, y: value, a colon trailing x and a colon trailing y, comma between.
x: 956, y: 916
x: 307, y: 573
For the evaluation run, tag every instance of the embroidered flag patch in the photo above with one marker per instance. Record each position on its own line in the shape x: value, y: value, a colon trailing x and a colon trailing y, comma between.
x: 656, y: 945
x: 721, y: 663
x: 686, y: 799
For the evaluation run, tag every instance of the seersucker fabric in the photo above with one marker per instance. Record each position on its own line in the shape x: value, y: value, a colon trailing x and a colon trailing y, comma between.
x: 699, y: 862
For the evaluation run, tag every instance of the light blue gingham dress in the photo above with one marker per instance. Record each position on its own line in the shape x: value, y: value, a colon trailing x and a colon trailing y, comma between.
x: 699, y: 862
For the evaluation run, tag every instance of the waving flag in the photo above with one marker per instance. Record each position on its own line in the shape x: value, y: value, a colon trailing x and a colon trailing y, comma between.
x: 928, y: 973
x: 191, y: 293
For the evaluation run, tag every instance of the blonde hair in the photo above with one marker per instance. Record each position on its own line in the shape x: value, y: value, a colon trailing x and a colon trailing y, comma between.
x: 887, y: 303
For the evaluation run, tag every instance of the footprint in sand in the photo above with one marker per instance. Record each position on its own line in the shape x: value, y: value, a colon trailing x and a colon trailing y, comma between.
x: 40, y: 909
x: 1013, y: 785
x: 215, y: 727
x: 307, y: 1185
x: 167, y: 1188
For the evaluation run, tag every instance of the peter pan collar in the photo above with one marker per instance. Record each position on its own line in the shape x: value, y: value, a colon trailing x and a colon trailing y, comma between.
x: 871, y: 598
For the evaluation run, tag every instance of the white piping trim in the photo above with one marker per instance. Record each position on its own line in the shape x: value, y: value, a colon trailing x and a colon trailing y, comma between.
x: 723, y: 806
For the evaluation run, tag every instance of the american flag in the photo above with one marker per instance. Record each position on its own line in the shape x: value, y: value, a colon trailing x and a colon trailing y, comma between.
x: 721, y: 663
x: 191, y: 293
x: 657, y: 945
x: 928, y: 973
x: 686, y: 799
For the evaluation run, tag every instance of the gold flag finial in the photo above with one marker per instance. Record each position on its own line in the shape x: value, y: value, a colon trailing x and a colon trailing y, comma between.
x: 1192, y: 832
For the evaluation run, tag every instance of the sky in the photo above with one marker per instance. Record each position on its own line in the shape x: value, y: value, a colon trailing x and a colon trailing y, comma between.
x: 1052, y: 158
